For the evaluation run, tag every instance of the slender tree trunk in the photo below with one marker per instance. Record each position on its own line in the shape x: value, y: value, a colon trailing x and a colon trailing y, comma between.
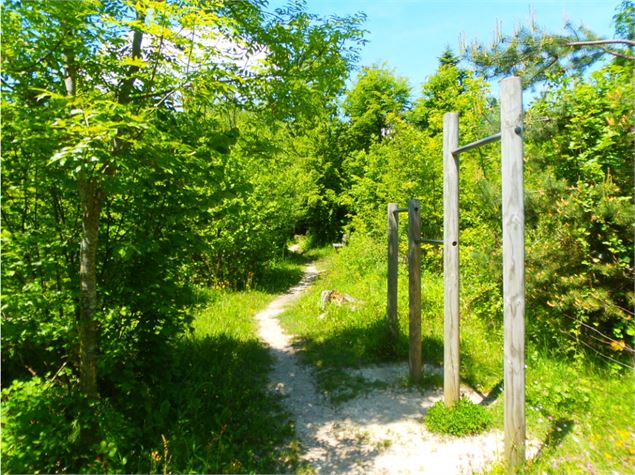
x: 92, y: 198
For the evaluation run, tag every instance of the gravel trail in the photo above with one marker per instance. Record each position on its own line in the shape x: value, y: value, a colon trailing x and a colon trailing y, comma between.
x: 379, y: 432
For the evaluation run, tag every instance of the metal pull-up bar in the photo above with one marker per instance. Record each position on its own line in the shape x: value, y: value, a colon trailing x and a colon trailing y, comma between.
x: 513, y: 267
x: 476, y: 144
x: 513, y: 263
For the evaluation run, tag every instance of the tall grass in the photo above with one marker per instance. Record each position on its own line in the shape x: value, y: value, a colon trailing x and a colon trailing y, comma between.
x: 225, y: 420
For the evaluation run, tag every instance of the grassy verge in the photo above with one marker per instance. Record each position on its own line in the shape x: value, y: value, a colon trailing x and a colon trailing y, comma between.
x: 198, y: 404
x: 337, y: 337
x: 225, y: 419
x: 354, y: 334
x: 579, y: 413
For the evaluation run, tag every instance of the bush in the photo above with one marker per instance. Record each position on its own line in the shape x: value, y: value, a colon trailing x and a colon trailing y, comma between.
x: 465, y: 418
x: 42, y: 421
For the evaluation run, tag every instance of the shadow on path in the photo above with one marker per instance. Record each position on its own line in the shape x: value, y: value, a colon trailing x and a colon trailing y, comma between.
x: 379, y: 432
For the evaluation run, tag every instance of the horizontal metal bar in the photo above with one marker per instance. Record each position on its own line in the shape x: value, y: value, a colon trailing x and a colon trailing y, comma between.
x: 478, y: 143
x: 400, y: 210
x: 429, y: 241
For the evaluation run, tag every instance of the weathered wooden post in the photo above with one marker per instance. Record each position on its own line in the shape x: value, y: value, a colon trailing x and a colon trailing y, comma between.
x: 393, y: 271
x: 414, y: 288
x: 451, y: 320
x: 513, y: 270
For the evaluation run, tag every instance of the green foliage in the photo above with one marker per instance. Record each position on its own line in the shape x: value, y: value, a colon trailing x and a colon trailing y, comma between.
x: 198, y: 169
x: 537, y: 55
x: 407, y: 163
x: 353, y: 333
x: 581, y: 426
x: 624, y: 20
x: 451, y: 89
x: 43, y: 420
x: 394, y: 171
x: 196, y: 184
x: 376, y: 94
x: 576, y: 423
x: 202, y: 161
x: 580, y: 215
x: 464, y: 418
x: 199, y: 404
x: 318, y: 54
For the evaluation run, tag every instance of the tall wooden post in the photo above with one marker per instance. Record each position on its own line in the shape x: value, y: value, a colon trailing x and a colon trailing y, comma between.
x: 393, y: 271
x: 451, y: 320
x: 513, y: 271
x: 414, y: 288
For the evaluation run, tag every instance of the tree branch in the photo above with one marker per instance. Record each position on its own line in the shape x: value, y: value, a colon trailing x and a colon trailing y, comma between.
x: 599, y: 44
x: 619, y: 55
x: 614, y: 41
x: 137, y: 38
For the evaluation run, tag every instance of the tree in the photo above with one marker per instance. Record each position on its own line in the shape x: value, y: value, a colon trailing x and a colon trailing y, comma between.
x: 102, y: 86
x: 579, y: 147
x: 451, y: 89
x: 535, y: 55
x: 375, y: 94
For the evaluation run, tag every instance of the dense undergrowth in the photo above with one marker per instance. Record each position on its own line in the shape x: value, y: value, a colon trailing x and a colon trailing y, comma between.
x: 579, y: 409
x: 200, y: 405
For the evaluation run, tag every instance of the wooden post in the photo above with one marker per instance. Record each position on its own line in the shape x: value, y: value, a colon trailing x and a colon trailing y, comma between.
x: 393, y: 271
x: 451, y: 388
x: 414, y: 288
x: 513, y: 271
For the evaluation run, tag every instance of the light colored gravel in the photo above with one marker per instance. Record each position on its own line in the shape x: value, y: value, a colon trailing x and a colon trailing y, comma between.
x: 379, y: 432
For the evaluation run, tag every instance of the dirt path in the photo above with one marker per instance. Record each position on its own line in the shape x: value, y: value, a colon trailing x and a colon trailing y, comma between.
x: 377, y: 433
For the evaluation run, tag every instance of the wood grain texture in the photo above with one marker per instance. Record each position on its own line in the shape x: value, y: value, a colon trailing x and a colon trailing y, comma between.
x: 393, y: 271
x: 513, y: 271
x: 414, y: 288
x: 451, y: 318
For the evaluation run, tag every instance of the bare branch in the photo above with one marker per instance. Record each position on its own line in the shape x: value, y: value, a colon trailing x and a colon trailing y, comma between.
x: 614, y: 41
x: 128, y: 82
x: 617, y: 54
x: 599, y: 44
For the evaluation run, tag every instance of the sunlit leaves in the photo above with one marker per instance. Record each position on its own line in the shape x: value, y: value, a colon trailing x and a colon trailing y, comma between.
x: 580, y: 179
x: 376, y: 93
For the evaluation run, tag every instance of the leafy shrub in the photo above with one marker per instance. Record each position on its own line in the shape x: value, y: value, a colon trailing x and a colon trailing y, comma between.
x: 465, y: 418
x: 42, y: 421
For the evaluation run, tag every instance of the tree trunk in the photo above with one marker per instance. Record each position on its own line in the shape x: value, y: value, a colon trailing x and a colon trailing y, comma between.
x: 92, y: 198
x: 90, y: 201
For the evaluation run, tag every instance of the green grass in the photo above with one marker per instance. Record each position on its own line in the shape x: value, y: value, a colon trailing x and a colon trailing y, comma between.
x: 356, y: 334
x: 226, y: 420
x: 346, y: 335
x: 464, y: 418
x: 579, y: 412
x: 228, y: 313
x: 200, y: 403
x: 583, y: 414
x: 203, y: 405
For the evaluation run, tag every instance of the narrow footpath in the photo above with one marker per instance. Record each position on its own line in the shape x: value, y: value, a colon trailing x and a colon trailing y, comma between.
x: 379, y: 432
